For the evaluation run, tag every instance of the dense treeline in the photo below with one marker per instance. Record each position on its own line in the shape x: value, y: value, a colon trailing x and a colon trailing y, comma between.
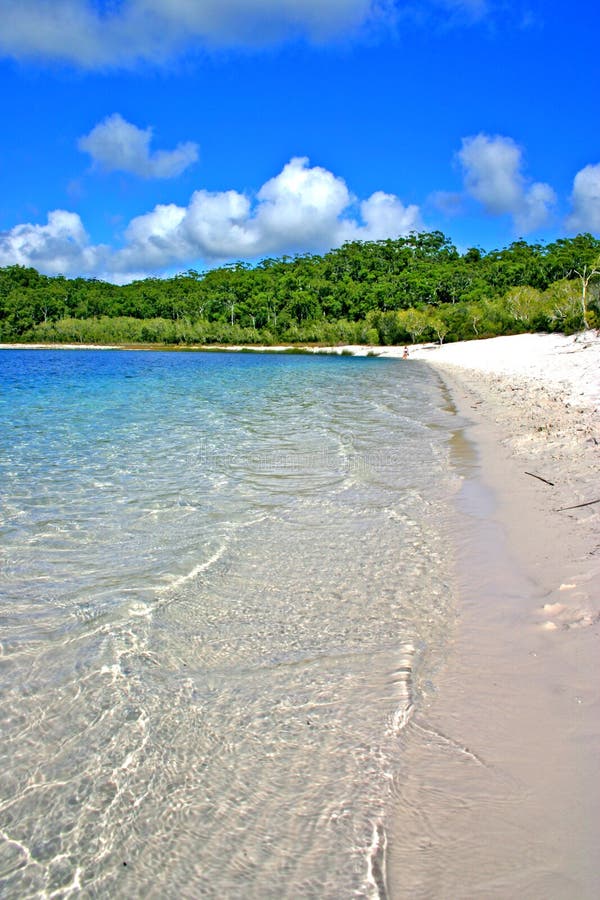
x: 393, y: 291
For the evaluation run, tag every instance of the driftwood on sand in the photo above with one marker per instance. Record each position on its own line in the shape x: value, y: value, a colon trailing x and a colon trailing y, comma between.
x: 539, y: 478
x: 579, y: 505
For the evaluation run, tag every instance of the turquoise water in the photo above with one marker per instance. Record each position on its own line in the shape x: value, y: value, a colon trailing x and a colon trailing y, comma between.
x: 224, y: 587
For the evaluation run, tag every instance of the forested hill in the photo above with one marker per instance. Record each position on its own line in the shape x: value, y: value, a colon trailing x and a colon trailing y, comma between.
x: 393, y: 291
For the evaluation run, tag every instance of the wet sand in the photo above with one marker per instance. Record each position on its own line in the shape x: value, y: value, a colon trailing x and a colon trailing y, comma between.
x: 501, y: 797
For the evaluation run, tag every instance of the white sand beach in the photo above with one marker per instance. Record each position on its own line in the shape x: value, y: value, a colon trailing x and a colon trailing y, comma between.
x: 537, y: 398
x: 569, y: 363
x: 522, y: 690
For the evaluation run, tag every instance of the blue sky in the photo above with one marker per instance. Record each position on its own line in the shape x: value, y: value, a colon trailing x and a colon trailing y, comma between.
x: 144, y: 137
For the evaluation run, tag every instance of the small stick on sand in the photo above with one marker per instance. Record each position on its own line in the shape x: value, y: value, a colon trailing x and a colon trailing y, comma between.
x: 539, y: 478
x: 578, y: 505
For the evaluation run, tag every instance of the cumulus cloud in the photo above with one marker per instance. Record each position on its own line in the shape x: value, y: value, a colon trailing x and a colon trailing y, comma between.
x: 60, y: 246
x: 92, y: 34
x: 117, y: 145
x: 492, y: 168
x: 585, y: 200
x: 384, y: 215
x: 301, y: 202
x: 302, y: 208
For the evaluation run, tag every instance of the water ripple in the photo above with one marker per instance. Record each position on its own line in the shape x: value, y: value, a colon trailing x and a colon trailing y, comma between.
x: 225, y: 589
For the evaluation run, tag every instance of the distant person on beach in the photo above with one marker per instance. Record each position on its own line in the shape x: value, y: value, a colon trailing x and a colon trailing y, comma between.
x: 405, y: 354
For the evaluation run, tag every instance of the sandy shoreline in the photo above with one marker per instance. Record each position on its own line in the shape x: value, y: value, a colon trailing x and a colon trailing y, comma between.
x: 520, y: 815
x: 535, y: 404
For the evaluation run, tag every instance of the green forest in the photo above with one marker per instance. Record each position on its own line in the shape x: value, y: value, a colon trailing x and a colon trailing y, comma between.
x: 413, y: 289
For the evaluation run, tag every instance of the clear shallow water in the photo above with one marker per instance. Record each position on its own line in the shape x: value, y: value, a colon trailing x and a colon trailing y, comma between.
x: 224, y: 587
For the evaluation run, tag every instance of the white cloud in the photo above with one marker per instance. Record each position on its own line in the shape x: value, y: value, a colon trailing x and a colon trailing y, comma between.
x: 301, y: 208
x: 115, y: 144
x: 492, y: 168
x: 384, y: 216
x: 59, y: 247
x: 258, y: 21
x: 216, y: 224
x: 537, y: 202
x: 120, y: 33
x: 585, y: 200
x: 301, y: 204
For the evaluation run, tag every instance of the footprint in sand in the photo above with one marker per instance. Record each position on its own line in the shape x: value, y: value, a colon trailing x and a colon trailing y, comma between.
x: 553, y: 609
x: 567, y: 617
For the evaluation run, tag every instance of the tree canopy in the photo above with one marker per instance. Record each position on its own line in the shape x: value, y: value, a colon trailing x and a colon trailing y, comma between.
x: 418, y: 287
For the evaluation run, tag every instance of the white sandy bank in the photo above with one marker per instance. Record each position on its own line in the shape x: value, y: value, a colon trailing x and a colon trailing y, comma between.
x: 569, y: 363
x: 540, y: 396
x: 521, y: 689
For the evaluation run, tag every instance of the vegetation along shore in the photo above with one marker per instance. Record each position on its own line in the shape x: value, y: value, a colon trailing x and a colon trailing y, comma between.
x: 413, y: 289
